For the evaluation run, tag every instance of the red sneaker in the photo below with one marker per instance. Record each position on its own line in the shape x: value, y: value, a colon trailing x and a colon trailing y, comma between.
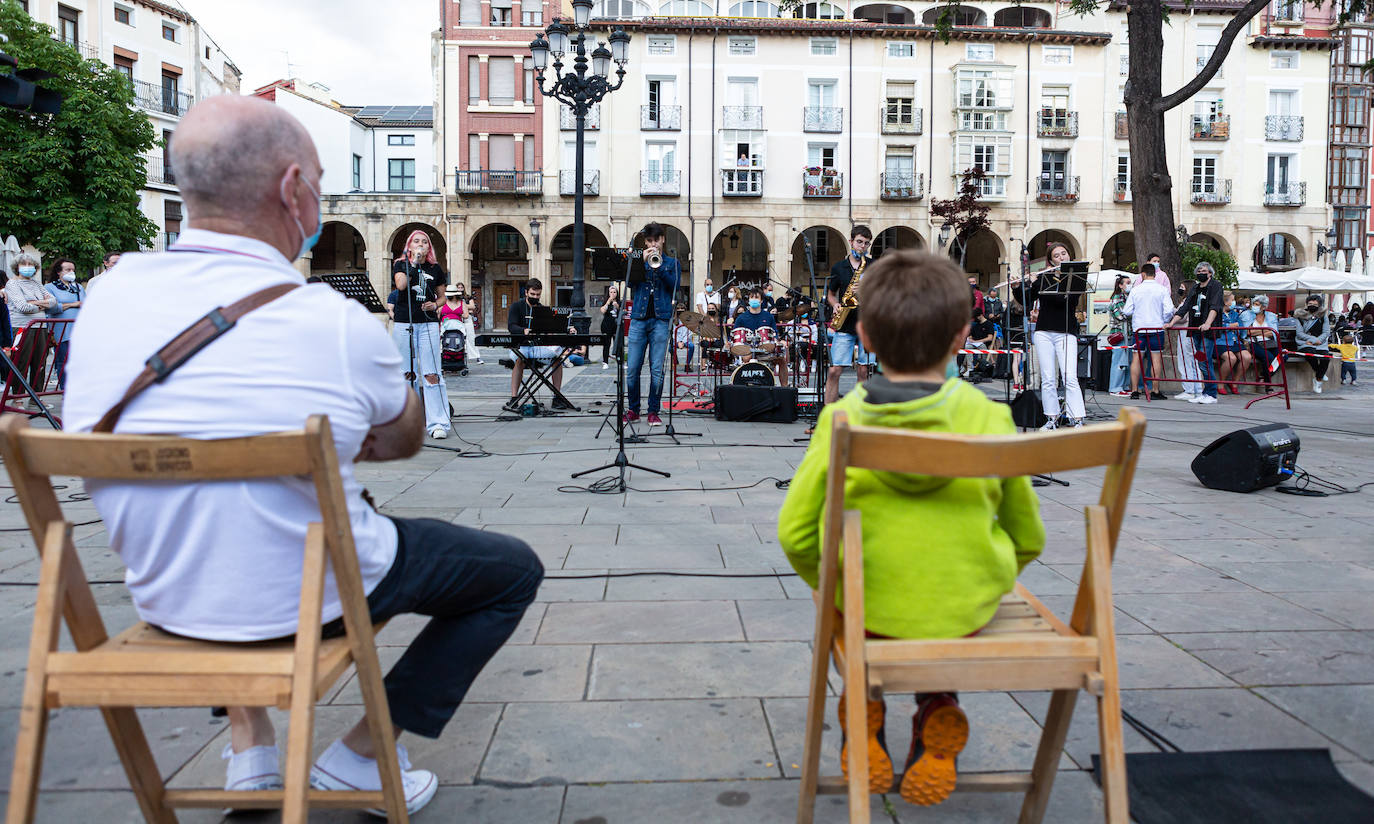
x: 939, y: 732
x: 879, y: 762
x: 630, y: 416
x: 653, y: 419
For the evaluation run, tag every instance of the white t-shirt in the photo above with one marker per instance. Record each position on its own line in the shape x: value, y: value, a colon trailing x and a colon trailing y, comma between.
x: 705, y: 301
x: 222, y: 560
x: 1147, y: 305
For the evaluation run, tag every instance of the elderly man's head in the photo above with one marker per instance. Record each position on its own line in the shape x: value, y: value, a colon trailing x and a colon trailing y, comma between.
x: 245, y: 162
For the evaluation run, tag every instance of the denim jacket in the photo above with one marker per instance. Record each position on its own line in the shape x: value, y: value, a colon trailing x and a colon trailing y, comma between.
x: 664, y: 283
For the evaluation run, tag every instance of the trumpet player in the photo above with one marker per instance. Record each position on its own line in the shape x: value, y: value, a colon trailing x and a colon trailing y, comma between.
x: 846, y: 349
x: 651, y: 316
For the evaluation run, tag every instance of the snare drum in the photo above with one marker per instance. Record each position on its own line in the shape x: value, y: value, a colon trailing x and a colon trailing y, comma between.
x: 767, y: 339
x: 743, y: 342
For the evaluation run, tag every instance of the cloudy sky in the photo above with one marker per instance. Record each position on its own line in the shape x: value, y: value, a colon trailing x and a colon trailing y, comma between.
x: 365, y: 52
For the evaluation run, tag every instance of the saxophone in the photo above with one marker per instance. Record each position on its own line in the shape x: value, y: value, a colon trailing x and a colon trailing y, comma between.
x: 850, y: 300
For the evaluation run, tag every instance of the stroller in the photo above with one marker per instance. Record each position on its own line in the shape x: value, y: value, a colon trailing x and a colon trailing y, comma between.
x: 453, y: 345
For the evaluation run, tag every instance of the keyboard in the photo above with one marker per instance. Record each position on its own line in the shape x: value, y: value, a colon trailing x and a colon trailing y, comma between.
x: 564, y: 339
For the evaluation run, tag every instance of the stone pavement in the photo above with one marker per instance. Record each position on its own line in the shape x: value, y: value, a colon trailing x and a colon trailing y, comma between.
x: 1245, y: 621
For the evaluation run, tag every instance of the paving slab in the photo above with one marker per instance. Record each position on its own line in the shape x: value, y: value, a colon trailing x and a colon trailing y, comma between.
x: 709, y: 585
x: 1151, y: 661
x: 716, y: 670
x: 1303, y: 577
x: 1352, y: 609
x: 1220, y: 719
x: 562, y: 743
x: 702, y: 802
x: 1344, y: 713
x: 634, y: 622
x: 1219, y: 612
x: 1285, y: 658
x: 1083, y: 741
x: 706, y: 556
x: 773, y: 620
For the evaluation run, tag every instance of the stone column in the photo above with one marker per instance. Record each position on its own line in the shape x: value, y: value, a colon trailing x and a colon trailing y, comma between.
x: 1092, y: 244
x: 701, y: 254
x: 780, y: 255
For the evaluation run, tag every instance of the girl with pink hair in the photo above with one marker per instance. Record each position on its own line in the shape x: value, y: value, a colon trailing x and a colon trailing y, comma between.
x: 421, y: 284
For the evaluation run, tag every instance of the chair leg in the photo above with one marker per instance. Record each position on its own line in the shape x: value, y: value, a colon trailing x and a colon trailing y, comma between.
x: 295, y: 808
x: 1113, y: 756
x: 1052, y: 738
x: 28, y: 754
x: 815, y: 723
x: 856, y: 733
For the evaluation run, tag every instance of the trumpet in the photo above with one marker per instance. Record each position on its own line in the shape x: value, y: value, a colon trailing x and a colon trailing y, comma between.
x: 653, y: 258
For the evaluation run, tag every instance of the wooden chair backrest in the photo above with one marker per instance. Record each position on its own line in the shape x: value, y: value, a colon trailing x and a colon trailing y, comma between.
x: 32, y: 456
x: 942, y: 454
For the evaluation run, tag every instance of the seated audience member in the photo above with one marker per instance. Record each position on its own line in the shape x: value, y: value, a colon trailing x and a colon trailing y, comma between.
x: 1264, y: 342
x: 976, y: 533
x: 980, y: 336
x: 682, y: 339
x: 222, y: 560
x: 1350, y: 352
x: 1313, y: 335
x: 1235, y: 359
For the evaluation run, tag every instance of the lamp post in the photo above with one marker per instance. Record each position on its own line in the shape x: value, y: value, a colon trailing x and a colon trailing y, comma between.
x: 1323, y: 249
x: 579, y: 89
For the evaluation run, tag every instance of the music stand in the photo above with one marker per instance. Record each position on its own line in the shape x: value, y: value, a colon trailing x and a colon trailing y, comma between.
x: 356, y: 286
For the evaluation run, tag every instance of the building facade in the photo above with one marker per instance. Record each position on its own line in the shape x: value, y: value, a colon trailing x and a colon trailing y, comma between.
x: 170, y: 60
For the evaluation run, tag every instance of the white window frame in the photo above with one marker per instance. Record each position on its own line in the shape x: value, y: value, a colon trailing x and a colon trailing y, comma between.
x: 901, y: 49
x: 662, y: 45
x: 1294, y: 101
x: 400, y: 140
x: 1292, y: 57
x: 980, y: 53
x: 899, y: 109
x: 1064, y: 52
x: 1121, y: 167
x: 821, y: 148
x: 743, y: 46
x: 975, y: 87
x: 966, y: 146
x: 825, y: 46
x: 1201, y: 172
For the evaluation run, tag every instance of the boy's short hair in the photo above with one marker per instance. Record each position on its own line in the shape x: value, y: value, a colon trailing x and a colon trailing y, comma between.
x: 914, y: 303
x: 756, y: 291
x: 1348, y: 337
x: 534, y: 283
x: 861, y: 230
x: 652, y: 230
x: 1148, y: 270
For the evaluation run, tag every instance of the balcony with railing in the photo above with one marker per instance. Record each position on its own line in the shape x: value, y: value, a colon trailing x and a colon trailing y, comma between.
x: 819, y: 181
x: 1125, y: 64
x: 88, y: 51
x: 741, y: 182
x: 1293, y: 193
x: 828, y: 119
x: 160, y: 172
x: 567, y: 182
x: 156, y: 98
x: 656, y: 118
x: 1286, y: 127
x: 741, y: 117
x: 902, y: 122
x: 1202, y: 61
x: 1057, y: 123
x: 567, y: 118
x: 1121, y: 191
x: 1211, y: 192
x: 1212, y: 127
x: 1064, y: 190
x: 499, y: 182
x: 903, y: 185
x: 660, y: 182
x: 1123, y: 126
x: 1286, y: 13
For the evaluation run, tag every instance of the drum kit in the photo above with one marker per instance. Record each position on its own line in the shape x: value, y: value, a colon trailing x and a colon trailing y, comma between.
x: 730, y: 355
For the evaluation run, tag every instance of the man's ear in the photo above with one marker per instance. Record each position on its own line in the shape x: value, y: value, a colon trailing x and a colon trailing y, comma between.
x: 958, y: 342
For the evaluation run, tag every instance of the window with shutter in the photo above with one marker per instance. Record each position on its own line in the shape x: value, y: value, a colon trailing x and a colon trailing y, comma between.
x: 501, y: 80
x: 474, y: 80
x: 470, y: 13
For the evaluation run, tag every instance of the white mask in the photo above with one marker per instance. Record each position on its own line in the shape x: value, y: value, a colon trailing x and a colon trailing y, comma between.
x: 69, y: 277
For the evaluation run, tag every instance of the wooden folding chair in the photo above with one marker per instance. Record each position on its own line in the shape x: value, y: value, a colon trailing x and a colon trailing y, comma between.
x: 145, y: 667
x: 1025, y: 647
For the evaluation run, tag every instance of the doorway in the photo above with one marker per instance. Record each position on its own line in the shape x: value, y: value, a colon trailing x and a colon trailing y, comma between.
x: 505, y: 293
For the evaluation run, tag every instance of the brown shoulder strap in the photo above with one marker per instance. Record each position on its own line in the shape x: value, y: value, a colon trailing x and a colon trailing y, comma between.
x: 184, y: 346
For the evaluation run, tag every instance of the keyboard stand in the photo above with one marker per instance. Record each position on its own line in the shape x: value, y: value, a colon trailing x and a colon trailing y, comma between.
x: 538, y: 371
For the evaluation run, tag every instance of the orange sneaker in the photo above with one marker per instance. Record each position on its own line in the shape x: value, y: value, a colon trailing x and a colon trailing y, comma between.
x: 939, y: 732
x: 879, y: 762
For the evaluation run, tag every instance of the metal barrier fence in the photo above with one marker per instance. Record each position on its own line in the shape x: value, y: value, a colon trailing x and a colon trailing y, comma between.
x: 1216, y: 358
x: 35, y: 355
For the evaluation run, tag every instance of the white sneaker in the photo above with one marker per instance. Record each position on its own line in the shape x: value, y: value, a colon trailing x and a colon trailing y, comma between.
x: 1049, y: 425
x: 438, y: 433
x: 1195, y: 398
x: 605, y: 365
x: 256, y: 768
x: 1205, y: 399
x: 1077, y: 423
x: 1317, y: 387
x: 1184, y: 396
x: 339, y: 768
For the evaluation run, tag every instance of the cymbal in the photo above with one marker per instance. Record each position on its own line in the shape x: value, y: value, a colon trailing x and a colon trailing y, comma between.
x: 699, y: 324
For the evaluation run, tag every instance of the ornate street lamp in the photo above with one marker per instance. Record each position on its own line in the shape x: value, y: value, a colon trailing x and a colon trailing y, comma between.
x: 579, y: 89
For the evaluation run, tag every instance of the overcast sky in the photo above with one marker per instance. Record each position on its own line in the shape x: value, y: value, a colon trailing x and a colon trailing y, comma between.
x: 367, y: 53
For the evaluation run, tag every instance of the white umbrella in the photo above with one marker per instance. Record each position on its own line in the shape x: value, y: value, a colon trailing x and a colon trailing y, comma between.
x: 1356, y: 264
x: 8, y: 252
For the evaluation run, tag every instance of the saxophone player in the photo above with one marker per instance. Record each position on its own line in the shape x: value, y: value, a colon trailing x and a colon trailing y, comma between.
x: 845, y: 348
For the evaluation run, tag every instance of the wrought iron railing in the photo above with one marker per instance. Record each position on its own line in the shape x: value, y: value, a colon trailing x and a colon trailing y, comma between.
x: 1063, y: 190
x: 896, y: 121
x: 567, y: 182
x: 567, y: 119
x: 499, y: 182
x: 1211, y: 192
x: 741, y: 182
x: 88, y: 51
x: 741, y: 117
x: 1125, y: 64
x: 160, y: 171
x: 903, y: 185
x: 660, y: 182
x: 822, y: 119
x: 1121, y: 192
x: 1283, y: 127
x: 1285, y: 194
x: 1212, y: 127
x: 822, y: 182
x: 653, y: 117
x: 1057, y: 123
x: 1123, y: 126
x: 1287, y: 12
x: 156, y: 98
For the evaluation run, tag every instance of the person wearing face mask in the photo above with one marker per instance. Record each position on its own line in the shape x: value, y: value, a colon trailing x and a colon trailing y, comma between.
x: 757, y: 317
x: 25, y: 295
x: 68, y: 296
x: 1313, y: 335
x: 1119, y: 325
x: 1201, y: 308
x: 222, y: 560
x: 708, y: 301
x: 1235, y: 360
x: 1264, y: 340
x: 469, y: 313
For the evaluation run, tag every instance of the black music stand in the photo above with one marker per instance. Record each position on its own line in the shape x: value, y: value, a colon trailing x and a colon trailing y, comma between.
x: 356, y: 286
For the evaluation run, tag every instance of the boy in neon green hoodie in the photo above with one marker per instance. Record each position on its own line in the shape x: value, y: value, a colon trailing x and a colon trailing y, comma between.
x: 939, y: 553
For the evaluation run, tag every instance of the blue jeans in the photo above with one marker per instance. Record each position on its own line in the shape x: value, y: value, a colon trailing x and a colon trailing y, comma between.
x: 652, y: 334
x: 475, y: 586
x: 1209, y: 371
x: 1121, y: 370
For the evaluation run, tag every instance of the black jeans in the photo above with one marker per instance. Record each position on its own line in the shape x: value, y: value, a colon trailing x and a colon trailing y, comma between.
x: 1318, y: 364
x: 476, y: 587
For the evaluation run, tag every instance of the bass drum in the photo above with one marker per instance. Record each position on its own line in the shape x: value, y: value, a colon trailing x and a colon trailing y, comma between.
x: 753, y: 374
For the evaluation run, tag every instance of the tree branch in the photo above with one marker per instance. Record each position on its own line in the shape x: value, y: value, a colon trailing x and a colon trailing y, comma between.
x: 1228, y: 35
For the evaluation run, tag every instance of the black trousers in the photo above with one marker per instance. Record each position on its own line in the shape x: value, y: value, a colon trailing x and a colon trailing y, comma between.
x: 1319, y: 365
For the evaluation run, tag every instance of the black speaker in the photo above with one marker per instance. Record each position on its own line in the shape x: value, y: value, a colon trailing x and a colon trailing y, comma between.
x: 1248, y: 459
x: 1102, y: 370
x: 1026, y: 410
x: 1086, y: 347
x: 761, y: 404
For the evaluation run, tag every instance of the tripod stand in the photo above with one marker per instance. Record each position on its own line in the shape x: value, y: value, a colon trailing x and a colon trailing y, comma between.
x: 622, y: 462
x: 822, y: 341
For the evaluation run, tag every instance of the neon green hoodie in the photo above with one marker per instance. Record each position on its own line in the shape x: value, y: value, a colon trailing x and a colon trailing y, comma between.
x: 939, y: 553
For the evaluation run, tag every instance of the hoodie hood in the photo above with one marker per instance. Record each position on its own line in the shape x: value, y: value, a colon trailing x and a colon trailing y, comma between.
x: 953, y: 406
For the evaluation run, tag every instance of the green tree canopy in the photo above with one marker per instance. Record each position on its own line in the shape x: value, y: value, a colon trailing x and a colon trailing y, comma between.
x: 1223, y: 265
x: 69, y: 183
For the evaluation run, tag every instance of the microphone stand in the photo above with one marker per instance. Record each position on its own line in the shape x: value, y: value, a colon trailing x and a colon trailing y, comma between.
x: 822, y: 341
x: 622, y: 462
x: 669, y: 430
